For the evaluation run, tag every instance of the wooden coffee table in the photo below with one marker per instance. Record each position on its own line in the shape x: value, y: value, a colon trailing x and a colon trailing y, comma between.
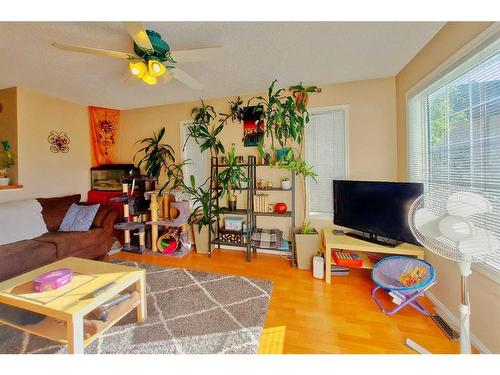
x: 71, y: 302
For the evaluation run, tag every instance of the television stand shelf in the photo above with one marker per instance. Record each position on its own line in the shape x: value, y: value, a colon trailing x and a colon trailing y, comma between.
x: 343, y: 242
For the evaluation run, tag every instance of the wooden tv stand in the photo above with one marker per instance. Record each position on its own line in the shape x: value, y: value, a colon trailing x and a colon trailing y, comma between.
x: 342, y: 242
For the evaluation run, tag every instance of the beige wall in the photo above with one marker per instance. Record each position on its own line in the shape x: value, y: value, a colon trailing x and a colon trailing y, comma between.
x: 43, y: 173
x: 484, y: 293
x: 372, y: 133
x: 8, y: 126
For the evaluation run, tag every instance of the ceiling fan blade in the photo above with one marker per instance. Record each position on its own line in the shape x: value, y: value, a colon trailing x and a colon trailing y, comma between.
x: 199, y: 54
x: 139, y: 35
x: 96, y: 51
x: 185, y: 78
x: 165, y: 78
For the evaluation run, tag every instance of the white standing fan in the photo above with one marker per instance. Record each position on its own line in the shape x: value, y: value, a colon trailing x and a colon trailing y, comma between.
x: 456, y: 225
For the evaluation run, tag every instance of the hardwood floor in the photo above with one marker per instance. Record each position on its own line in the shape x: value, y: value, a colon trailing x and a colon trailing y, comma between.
x: 320, y: 318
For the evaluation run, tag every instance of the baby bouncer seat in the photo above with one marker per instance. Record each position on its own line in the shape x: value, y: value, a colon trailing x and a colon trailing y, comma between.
x: 404, y: 279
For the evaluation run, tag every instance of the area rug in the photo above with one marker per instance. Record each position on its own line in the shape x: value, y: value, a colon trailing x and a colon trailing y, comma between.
x: 188, y: 312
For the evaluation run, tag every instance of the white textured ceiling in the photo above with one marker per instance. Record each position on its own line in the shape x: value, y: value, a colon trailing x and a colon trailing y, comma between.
x: 255, y: 54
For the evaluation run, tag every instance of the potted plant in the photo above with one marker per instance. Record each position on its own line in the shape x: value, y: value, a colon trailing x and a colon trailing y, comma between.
x: 306, y: 245
x: 301, y: 93
x: 7, y: 161
x: 204, y: 213
x: 286, y: 183
x: 204, y: 131
x: 230, y: 178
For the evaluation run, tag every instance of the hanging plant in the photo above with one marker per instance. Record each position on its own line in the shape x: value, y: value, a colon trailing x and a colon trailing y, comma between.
x: 301, y: 94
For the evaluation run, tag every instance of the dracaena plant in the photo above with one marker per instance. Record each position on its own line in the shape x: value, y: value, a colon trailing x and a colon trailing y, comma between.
x: 204, y: 130
x: 156, y: 154
x: 205, y: 212
x: 233, y: 175
x: 158, y: 160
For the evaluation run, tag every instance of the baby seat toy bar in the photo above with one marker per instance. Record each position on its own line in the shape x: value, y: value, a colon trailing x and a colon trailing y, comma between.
x: 405, y: 279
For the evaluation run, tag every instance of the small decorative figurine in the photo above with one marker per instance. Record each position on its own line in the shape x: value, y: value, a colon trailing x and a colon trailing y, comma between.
x: 260, y: 184
x: 269, y: 185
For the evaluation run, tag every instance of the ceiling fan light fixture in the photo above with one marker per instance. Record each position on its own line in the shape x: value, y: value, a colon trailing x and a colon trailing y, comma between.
x: 156, y: 68
x: 149, y: 79
x: 138, y: 69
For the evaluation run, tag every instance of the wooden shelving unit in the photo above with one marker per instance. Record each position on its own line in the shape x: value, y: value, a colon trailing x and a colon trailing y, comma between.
x: 249, y: 212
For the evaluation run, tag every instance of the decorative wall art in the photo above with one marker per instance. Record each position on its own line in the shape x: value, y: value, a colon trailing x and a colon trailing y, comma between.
x: 104, y: 124
x: 58, y: 141
x: 253, y: 127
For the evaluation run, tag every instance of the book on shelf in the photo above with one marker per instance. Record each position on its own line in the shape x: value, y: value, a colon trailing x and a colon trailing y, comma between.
x: 261, y: 202
x: 339, y: 270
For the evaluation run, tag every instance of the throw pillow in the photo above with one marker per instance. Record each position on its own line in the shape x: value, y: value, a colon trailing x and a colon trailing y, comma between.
x: 54, y: 209
x: 21, y: 220
x: 78, y: 218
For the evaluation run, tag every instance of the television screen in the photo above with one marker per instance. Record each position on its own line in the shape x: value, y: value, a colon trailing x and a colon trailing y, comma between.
x: 378, y: 208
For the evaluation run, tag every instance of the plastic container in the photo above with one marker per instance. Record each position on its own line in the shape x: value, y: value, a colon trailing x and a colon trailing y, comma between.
x: 318, y: 267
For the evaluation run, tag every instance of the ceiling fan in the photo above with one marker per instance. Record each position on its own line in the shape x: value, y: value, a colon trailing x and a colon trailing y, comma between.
x: 152, y: 57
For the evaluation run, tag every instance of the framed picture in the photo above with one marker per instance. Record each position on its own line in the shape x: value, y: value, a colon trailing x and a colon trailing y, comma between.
x: 253, y: 127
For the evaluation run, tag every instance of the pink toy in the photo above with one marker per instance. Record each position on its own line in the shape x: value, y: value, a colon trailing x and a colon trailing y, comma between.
x: 53, y: 279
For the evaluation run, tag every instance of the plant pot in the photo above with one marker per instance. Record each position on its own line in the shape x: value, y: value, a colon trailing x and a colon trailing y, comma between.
x: 281, y: 153
x: 232, y: 202
x: 306, y: 247
x: 4, y: 181
x: 201, y: 239
x: 286, y: 184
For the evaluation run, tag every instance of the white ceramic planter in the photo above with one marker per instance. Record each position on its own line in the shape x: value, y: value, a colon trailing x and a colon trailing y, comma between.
x: 286, y: 184
x: 4, y: 181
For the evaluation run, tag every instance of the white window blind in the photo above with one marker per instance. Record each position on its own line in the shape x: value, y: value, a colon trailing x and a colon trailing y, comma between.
x: 454, y: 133
x: 325, y: 148
x: 199, y: 165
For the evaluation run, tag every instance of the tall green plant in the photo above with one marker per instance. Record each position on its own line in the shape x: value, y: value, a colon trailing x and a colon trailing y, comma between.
x: 158, y: 158
x: 205, y: 212
x: 157, y: 154
x: 232, y: 176
x: 204, y: 130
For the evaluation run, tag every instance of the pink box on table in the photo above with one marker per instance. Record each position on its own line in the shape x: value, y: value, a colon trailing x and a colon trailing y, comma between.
x: 53, y: 279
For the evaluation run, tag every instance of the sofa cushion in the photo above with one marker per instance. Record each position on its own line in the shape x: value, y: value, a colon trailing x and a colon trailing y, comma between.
x: 21, y: 220
x: 68, y: 243
x: 54, y: 209
x: 20, y: 257
x: 78, y: 218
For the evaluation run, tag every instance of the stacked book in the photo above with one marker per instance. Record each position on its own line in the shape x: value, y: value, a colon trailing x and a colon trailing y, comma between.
x: 261, y: 203
x: 339, y: 270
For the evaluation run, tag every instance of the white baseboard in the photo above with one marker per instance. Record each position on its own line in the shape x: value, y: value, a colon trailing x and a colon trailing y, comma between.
x: 454, y: 322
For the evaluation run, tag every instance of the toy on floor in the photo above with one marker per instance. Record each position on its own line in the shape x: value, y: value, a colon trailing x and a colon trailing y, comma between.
x: 414, y: 277
x: 404, y: 279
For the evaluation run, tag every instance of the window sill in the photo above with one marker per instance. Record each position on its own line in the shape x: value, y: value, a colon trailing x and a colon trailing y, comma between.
x: 11, y: 187
x: 319, y: 216
x: 486, y: 272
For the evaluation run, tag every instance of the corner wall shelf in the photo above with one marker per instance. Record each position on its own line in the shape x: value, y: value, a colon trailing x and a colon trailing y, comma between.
x: 251, y: 215
x: 10, y: 187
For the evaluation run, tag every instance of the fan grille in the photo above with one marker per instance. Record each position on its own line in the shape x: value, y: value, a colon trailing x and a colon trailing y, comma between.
x: 435, y: 201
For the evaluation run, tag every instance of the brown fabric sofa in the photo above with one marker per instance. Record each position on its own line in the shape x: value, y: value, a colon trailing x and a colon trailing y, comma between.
x: 22, y: 256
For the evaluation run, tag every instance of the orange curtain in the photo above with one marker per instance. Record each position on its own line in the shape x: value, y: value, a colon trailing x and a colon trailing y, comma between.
x: 104, y: 123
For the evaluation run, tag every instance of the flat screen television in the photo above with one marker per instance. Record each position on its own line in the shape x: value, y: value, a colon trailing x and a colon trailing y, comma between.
x: 376, y: 208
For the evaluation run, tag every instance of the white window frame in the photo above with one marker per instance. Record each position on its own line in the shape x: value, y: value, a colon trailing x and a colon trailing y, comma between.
x: 319, y: 110
x: 474, y: 46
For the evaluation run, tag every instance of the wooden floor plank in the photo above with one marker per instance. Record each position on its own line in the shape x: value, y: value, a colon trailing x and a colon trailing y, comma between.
x: 320, y: 318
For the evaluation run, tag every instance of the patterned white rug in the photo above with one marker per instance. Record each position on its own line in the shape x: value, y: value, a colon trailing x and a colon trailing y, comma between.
x: 188, y: 312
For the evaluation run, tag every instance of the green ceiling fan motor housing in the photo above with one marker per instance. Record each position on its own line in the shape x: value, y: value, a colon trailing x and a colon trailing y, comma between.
x: 161, y: 49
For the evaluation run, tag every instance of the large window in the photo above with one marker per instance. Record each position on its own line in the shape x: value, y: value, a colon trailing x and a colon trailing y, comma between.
x: 199, y: 165
x: 325, y: 148
x: 454, y: 132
